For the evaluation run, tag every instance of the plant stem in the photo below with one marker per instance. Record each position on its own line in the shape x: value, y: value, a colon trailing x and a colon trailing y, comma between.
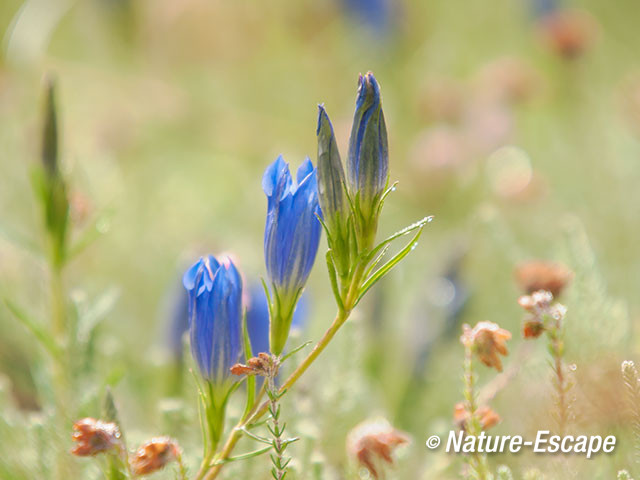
x: 61, y: 377
x: 279, y: 462
x: 477, y: 461
x: 258, y: 410
x: 556, y: 346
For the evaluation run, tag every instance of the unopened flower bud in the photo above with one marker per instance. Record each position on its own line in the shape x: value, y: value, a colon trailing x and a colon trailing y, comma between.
x: 332, y: 192
x: 368, y: 162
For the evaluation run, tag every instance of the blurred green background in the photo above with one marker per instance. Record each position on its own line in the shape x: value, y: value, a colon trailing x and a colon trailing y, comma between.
x: 171, y: 110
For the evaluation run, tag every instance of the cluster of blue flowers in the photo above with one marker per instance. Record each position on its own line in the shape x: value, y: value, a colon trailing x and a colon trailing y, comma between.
x: 346, y: 206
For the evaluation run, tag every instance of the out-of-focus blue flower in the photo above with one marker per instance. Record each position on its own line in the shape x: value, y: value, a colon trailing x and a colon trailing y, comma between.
x: 373, y: 14
x: 257, y: 309
x: 291, y: 238
x: 178, y: 322
x: 542, y: 8
x: 215, y: 318
x: 368, y: 160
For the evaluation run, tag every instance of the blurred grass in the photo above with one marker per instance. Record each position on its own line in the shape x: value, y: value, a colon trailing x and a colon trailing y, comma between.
x: 170, y: 111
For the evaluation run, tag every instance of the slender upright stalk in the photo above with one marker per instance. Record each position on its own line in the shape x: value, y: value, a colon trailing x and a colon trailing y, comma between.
x: 477, y: 461
x: 61, y: 377
x: 211, y: 467
x: 556, y: 347
x: 280, y: 462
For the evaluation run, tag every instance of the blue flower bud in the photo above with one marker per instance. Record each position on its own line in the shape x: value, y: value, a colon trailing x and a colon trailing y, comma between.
x: 368, y: 162
x: 215, y: 319
x: 291, y: 238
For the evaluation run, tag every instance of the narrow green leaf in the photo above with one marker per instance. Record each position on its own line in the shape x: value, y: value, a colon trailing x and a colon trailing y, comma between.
x: 251, y: 380
x: 202, y: 411
x: 41, y: 334
x: 419, y: 224
x: 243, y: 456
x: 382, y: 271
x: 295, y: 350
x: 333, y: 278
x: 99, y: 226
x: 21, y: 241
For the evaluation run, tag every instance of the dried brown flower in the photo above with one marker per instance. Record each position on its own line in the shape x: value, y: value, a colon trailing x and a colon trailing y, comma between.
x: 488, y: 342
x: 533, y: 329
x: 488, y: 418
x: 568, y: 32
x: 264, y: 364
x: 538, y: 275
x: 154, y: 455
x: 372, y: 443
x: 94, y: 436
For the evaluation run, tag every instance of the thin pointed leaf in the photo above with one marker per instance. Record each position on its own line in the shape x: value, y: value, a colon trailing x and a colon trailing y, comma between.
x: 257, y: 438
x: 251, y: 380
x: 419, y: 224
x: 36, y: 330
x: 21, y: 241
x: 333, y: 278
x: 243, y: 456
x: 382, y: 271
x: 375, y: 263
x: 295, y: 350
x: 202, y: 407
x: 89, y: 235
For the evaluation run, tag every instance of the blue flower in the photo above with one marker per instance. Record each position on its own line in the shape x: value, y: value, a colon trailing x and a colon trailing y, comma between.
x: 178, y: 319
x: 368, y: 159
x: 215, y: 318
x: 374, y: 14
x: 291, y: 238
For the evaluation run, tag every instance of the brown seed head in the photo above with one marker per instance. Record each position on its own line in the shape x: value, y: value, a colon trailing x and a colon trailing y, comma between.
x: 94, y: 436
x: 372, y: 444
x: 154, y: 455
x: 539, y: 275
x: 488, y: 341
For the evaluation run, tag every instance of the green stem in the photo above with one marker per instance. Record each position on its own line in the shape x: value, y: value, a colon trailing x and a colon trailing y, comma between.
x: 279, y: 462
x: 61, y: 376
x: 259, y: 410
x: 477, y: 461
x: 556, y: 345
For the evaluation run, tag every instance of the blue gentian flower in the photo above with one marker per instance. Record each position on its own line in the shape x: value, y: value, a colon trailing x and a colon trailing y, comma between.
x: 215, y: 319
x: 368, y: 159
x: 291, y: 238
